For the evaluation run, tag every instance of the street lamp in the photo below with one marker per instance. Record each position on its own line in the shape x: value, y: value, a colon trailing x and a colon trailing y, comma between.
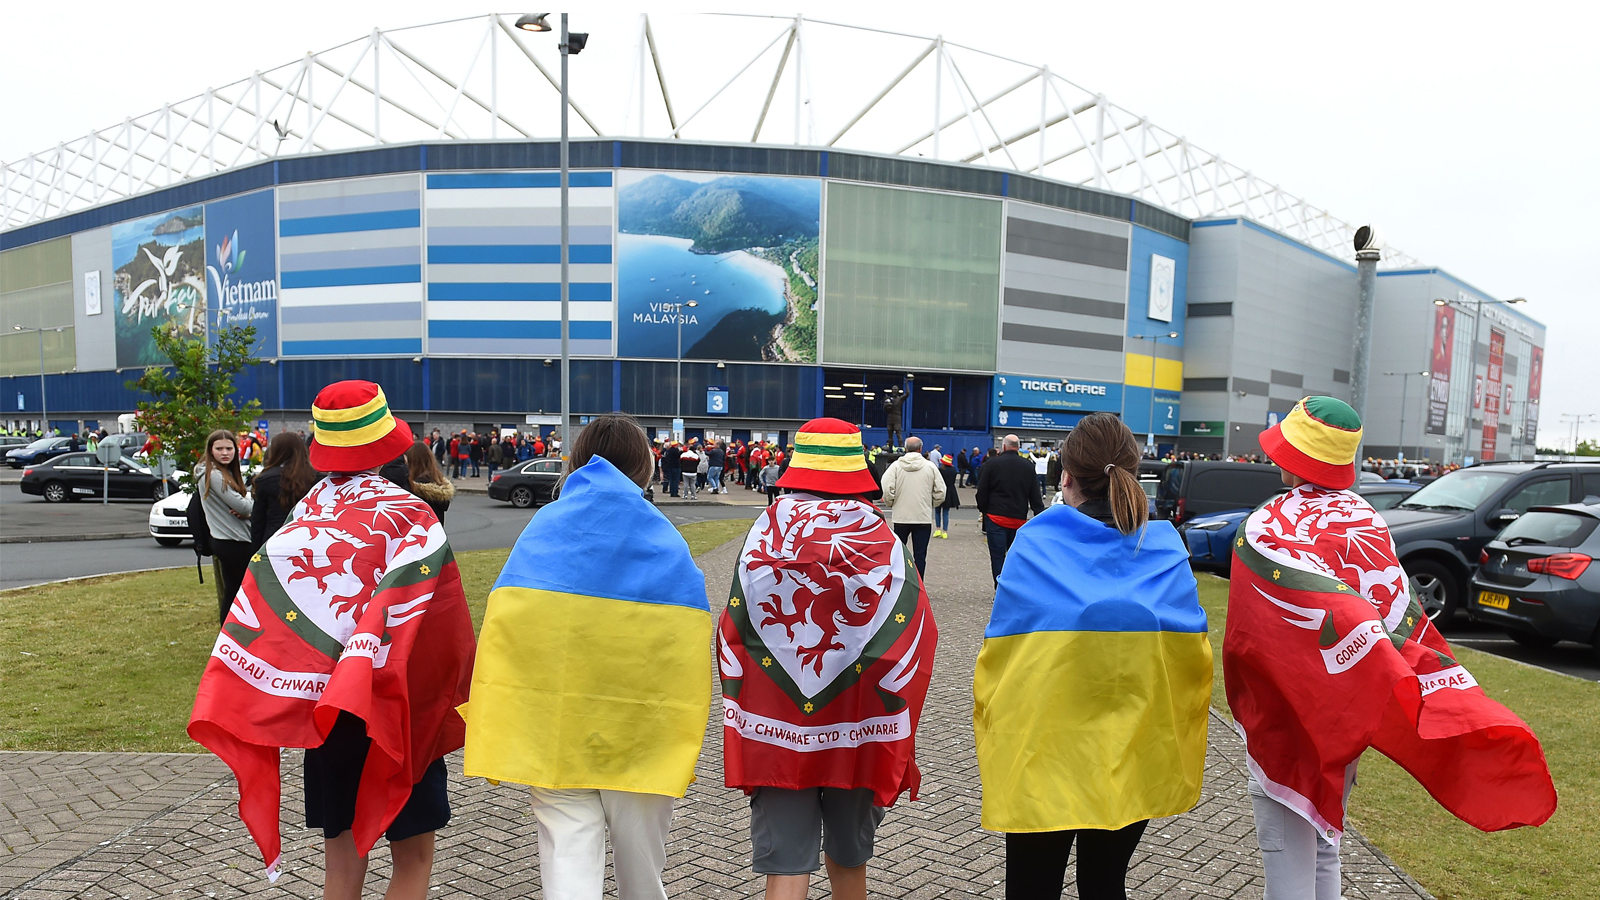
x: 570, y: 44
x: 1405, y: 385
x: 678, y: 409
x: 1151, y: 421
x: 1477, y: 316
x: 44, y: 402
x: 1578, y: 419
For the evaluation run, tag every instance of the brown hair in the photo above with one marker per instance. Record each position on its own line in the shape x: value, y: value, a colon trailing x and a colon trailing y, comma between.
x: 287, y: 451
x: 421, y: 464
x: 1102, y: 457
x: 618, y: 439
x: 231, y: 476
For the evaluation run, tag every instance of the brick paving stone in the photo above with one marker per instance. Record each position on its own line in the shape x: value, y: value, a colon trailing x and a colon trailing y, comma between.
x: 146, y: 825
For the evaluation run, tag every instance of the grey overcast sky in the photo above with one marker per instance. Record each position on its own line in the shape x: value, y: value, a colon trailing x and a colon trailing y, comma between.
x: 1466, y: 131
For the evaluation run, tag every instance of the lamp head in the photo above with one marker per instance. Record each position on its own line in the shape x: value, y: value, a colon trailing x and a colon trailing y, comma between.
x: 692, y: 303
x: 534, y: 22
x: 1440, y: 301
x: 1518, y: 300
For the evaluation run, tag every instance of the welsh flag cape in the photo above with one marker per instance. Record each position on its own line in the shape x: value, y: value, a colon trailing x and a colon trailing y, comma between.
x: 356, y: 605
x: 1326, y: 654
x: 825, y: 651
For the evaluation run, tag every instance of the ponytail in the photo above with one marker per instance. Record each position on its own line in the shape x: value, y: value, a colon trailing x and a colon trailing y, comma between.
x: 1129, y: 505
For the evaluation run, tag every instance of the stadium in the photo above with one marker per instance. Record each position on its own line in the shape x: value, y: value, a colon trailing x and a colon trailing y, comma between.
x: 749, y: 247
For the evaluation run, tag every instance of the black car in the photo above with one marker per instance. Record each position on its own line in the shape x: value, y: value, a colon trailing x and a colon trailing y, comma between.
x: 1441, y: 530
x: 77, y: 475
x: 1199, y: 487
x: 1386, y: 494
x: 1538, y: 580
x: 529, y: 483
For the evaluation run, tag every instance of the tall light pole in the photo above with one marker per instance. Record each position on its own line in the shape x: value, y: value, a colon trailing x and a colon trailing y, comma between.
x: 44, y: 401
x: 570, y: 44
x: 1151, y: 421
x: 1472, y: 355
x: 1369, y: 248
x: 1405, y: 386
x: 678, y: 388
x: 1577, y: 419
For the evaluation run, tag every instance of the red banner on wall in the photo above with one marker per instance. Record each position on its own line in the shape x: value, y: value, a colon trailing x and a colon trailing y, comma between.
x: 1530, y: 421
x: 1444, y: 325
x: 1491, y: 394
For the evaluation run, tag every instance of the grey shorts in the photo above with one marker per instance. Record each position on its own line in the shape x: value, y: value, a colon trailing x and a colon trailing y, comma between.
x: 788, y: 828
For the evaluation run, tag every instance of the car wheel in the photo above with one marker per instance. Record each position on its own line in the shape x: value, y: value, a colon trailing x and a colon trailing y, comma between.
x: 55, y: 492
x: 522, y: 497
x: 1532, y: 640
x: 170, y: 542
x: 157, y: 493
x: 1434, y: 589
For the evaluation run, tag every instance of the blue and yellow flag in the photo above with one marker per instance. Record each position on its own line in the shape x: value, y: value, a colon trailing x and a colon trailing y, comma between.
x: 594, y: 663
x: 1094, y: 680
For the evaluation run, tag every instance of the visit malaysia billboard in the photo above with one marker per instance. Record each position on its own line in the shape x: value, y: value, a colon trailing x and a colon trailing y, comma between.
x: 742, y: 249
x: 242, y: 267
x: 158, y: 280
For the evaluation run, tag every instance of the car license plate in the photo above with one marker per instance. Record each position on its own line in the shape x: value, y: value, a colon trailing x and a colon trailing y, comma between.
x: 1491, y: 599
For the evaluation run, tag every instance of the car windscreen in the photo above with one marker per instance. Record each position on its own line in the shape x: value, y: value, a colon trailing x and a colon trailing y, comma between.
x: 1462, y: 489
x: 42, y: 443
x: 1552, y: 529
x: 1236, y: 485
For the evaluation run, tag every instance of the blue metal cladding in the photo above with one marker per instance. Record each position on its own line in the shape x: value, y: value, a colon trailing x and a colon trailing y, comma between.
x: 754, y: 391
x: 517, y: 386
x: 401, y: 380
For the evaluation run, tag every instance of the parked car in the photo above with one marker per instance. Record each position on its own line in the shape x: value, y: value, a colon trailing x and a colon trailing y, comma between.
x: 1210, y: 538
x: 130, y: 442
x: 169, y: 520
x: 1441, y: 530
x: 527, y: 484
x: 1537, y: 579
x: 73, y: 476
x: 9, y: 442
x: 1200, y: 487
x: 37, y: 451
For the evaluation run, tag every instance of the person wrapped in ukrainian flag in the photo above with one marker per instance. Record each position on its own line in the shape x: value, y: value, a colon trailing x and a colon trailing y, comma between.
x: 1094, y: 682
x: 593, y: 677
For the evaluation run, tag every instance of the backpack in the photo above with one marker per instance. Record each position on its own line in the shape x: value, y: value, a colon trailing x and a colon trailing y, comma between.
x: 196, y: 517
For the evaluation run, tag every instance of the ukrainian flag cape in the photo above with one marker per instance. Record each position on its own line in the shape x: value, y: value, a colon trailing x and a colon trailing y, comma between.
x: 594, y: 663
x: 1094, y: 680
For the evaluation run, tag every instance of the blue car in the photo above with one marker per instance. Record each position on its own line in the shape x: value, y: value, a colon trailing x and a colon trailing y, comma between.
x: 38, y: 451
x: 1210, y: 537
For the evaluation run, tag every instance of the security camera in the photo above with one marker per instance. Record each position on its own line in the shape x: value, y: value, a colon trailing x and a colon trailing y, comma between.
x: 1367, y: 239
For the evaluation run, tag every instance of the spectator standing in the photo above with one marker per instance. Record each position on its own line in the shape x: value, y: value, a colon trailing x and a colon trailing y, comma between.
x: 672, y: 467
x: 912, y: 487
x: 222, y: 494
x: 962, y: 466
x: 716, y: 457
x: 1007, y: 490
x: 690, y: 463
x: 455, y: 456
x: 428, y: 482
x: 439, y: 446
x: 952, y: 499
x: 495, y: 456
x: 1041, y: 468
x: 280, y: 485
x: 769, y: 481
x: 476, y: 455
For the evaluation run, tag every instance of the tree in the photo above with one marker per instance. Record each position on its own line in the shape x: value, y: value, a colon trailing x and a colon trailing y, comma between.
x: 1587, y: 448
x: 194, y: 397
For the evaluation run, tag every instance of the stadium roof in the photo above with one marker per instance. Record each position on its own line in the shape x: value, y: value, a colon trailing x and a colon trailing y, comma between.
x: 721, y: 78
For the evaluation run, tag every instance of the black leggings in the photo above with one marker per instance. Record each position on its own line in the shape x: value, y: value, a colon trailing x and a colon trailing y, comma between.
x: 1036, y: 863
x: 232, y: 558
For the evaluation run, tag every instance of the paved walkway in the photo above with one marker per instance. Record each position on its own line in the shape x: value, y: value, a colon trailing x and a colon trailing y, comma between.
x: 115, y: 825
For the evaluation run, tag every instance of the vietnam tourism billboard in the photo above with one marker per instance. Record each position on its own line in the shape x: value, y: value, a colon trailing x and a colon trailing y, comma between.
x: 158, y: 278
x: 743, y: 249
x: 242, y: 268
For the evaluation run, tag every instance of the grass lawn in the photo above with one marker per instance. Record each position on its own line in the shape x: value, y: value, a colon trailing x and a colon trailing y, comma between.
x: 111, y: 663
x: 1451, y: 859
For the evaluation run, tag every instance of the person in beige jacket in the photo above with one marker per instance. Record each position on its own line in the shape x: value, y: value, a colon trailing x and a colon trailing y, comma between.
x: 912, y: 487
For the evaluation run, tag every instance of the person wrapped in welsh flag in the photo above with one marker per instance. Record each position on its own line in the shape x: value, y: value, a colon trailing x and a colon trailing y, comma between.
x: 825, y: 650
x: 350, y: 637
x: 1093, y: 687
x: 593, y: 679
x: 1326, y: 654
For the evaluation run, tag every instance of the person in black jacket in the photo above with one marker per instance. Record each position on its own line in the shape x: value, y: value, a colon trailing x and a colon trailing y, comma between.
x: 1007, y: 490
x: 672, y: 467
x: 285, y: 478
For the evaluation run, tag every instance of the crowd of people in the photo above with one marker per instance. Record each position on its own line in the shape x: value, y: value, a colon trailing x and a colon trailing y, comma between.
x: 347, y: 633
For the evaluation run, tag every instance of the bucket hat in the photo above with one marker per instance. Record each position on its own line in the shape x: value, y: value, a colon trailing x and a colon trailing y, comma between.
x: 353, y: 429
x: 1318, y: 441
x: 828, y: 457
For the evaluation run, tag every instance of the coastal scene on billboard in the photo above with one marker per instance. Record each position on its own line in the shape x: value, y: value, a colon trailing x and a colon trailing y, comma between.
x: 743, y: 248
x: 159, y: 279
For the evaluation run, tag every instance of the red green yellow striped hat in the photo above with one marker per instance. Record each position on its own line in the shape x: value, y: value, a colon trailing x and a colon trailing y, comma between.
x: 352, y: 429
x: 1318, y: 441
x: 828, y: 457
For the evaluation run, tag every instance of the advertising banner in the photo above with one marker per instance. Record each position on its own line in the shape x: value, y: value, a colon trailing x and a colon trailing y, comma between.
x: 730, y: 259
x: 242, y: 268
x: 159, y: 280
x: 1163, y: 273
x: 1530, y: 414
x: 1201, y: 429
x: 1491, y: 394
x: 1035, y: 392
x: 1444, y: 324
x: 1032, y: 418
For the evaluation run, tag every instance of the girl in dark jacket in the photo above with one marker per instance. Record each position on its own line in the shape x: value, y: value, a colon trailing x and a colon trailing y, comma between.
x: 428, y: 481
x: 952, y: 500
x: 285, y: 478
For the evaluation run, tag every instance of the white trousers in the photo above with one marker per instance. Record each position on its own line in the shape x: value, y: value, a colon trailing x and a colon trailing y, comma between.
x: 572, y: 842
x: 1297, y: 862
